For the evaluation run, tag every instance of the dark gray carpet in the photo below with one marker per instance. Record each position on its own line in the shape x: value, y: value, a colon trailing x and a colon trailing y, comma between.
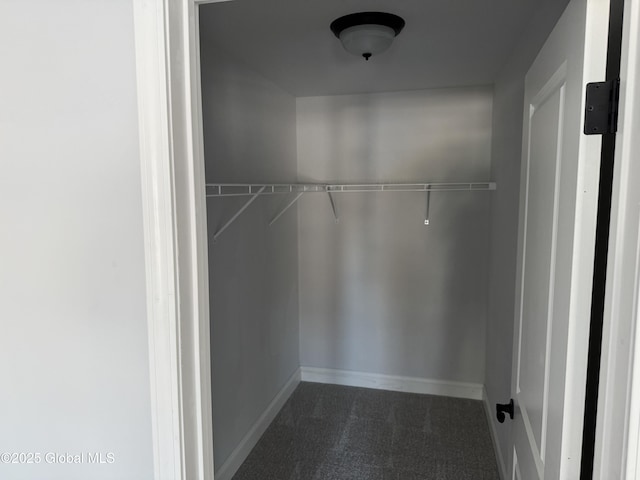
x: 329, y: 432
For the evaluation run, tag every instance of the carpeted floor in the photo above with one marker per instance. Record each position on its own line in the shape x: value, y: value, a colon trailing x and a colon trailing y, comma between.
x: 329, y: 432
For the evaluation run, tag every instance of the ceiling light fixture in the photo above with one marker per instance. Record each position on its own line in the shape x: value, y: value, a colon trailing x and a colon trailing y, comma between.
x: 367, y: 33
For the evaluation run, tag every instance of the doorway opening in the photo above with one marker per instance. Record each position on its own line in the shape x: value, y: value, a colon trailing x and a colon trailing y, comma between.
x: 362, y: 215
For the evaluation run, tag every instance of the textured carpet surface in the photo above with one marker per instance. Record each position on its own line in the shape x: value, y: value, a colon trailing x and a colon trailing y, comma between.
x: 330, y: 432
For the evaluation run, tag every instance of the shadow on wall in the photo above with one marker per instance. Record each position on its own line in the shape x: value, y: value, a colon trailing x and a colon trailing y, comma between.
x: 380, y: 291
x: 250, y: 136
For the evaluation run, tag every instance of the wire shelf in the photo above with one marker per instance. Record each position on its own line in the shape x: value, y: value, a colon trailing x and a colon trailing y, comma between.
x: 250, y: 189
x: 254, y: 191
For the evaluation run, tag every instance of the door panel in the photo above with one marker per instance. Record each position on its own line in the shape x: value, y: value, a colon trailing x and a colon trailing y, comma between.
x: 523, y: 463
x: 516, y: 467
x: 543, y: 165
x: 559, y: 186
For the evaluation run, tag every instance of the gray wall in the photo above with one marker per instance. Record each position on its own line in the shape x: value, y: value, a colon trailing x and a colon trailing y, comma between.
x: 380, y: 291
x: 250, y: 136
x: 73, y: 348
x: 505, y: 170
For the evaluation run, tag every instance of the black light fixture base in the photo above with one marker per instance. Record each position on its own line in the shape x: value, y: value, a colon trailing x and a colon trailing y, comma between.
x: 367, y: 18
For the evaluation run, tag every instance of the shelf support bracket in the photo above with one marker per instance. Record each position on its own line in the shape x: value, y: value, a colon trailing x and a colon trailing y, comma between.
x: 287, y: 207
x: 426, y: 217
x: 333, y: 206
x: 238, y: 213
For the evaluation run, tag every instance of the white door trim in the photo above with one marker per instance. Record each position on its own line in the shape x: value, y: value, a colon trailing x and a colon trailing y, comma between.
x: 175, y: 236
x: 617, y: 452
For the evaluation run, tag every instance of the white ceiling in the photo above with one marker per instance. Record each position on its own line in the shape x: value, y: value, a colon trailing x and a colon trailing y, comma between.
x: 444, y: 43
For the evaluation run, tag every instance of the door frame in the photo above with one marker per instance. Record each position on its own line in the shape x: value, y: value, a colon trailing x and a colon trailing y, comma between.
x: 175, y: 236
x: 617, y: 441
x: 175, y: 244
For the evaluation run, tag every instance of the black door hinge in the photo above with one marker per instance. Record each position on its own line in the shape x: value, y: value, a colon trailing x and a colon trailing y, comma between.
x: 601, y: 111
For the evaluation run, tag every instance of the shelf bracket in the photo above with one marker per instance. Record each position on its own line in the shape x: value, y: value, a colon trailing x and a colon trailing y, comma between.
x: 238, y: 213
x: 333, y: 206
x: 287, y: 207
x: 426, y: 216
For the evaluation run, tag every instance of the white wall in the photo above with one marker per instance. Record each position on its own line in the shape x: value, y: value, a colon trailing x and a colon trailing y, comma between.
x: 505, y: 171
x: 380, y: 291
x: 73, y: 347
x: 249, y: 128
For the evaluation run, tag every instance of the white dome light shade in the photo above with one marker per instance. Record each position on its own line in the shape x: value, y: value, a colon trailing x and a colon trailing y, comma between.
x: 367, y: 40
x: 367, y: 33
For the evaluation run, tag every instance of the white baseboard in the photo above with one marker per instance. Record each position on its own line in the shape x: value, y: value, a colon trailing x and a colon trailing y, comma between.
x: 241, y: 452
x: 392, y: 382
x: 488, y: 409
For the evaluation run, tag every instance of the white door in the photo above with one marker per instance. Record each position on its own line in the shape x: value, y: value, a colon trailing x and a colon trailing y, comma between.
x: 559, y: 187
